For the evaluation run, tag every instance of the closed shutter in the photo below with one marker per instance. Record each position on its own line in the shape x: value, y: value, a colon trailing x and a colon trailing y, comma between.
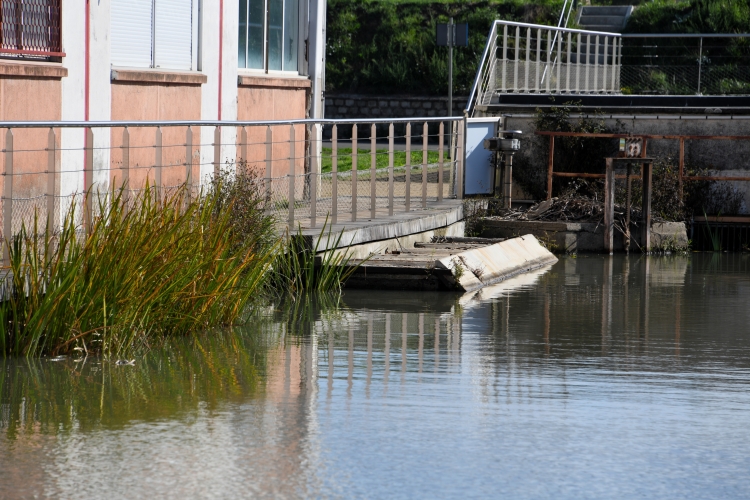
x: 131, y: 32
x: 174, y: 34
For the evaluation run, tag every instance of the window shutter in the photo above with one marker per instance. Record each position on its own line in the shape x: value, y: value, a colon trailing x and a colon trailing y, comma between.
x: 131, y: 33
x: 174, y: 37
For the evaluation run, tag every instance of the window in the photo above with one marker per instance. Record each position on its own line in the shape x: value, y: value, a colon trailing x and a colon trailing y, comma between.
x: 30, y: 28
x: 269, y: 35
x: 154, y: 33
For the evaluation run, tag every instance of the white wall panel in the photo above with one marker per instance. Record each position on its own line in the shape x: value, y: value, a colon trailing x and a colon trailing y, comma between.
x: 132, y: 32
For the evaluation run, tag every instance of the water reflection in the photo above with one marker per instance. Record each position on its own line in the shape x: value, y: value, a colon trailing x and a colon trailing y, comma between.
x: 605, y: 376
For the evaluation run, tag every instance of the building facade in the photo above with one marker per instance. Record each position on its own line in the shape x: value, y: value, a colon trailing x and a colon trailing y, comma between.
x: 147, y: 60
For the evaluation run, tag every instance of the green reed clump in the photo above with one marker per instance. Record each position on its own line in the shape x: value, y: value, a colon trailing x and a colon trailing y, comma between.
x: 146, y: 269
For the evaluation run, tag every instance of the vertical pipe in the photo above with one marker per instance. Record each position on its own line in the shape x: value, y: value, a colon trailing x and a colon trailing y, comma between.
x: 508, y: 181
x: 8, y: 198
x: 527, y: 62
x: 373, y: 169
x: 515, y: 63
x: 460, y: 153
x: 578, y: 63
x: 292, y: 193
x: 550, y: 165
x: 51, y: 154
x: 88, y: 172
x: 390, y: 169
x: 158, y: 164
x: 647, y: 184
x: 314, y: 170
x: 596, y: 65
x: 441, y: 132
x: 126, y: 168
x: 354, y: 172
x: 424, y: 165
x: 269, y: 162
x: 504, y: 85
x: 547, y: 67
x: 538, y: 58
x: 567, y: 66
x: 188, y: 163
x: 614, y: 64
x: 700, y: 65
x: 407, y: 169
x: 682, y: 167
x: 334, y: 174
x: 217, y: 152
x: 609, y: 206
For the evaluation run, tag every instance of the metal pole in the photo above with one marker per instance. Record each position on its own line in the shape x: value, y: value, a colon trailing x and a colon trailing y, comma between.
x: 188, y: 163
x: 88, y: 173
x: 291, y: 179
x: 334, y: 174
x: 440, y: 161
x: 450, y: 67
x: 314, y: 170
x: 424, y: 165
x: 8, y: 197
x: 217, y: 152
x: 269, y: 162
x: 126, y: 168
x: 373, y: 169
x: 407, y: 169
x: 158, y: 164
x: 700, y: 64
x: 354, y: 172
x: 390, y: 169
x: 51, y: 153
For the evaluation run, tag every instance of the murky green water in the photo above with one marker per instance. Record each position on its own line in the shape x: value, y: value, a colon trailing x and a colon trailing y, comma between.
x: 595, y: 378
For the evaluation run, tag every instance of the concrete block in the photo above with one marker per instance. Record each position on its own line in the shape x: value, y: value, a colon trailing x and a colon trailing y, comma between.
x: 427, y: 105
x: 405, y: 104
x: 349, y: 102
x: 338, y: 102
x: 394, y: 104
x: 372, y: 104
x: 416, y: 104
x: 409, y: 112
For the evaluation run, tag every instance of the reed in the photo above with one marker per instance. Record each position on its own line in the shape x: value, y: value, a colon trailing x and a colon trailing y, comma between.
x: 151, y: 268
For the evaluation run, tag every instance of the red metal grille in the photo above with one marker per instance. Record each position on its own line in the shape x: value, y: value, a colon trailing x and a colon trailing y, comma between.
x: 30, y: 27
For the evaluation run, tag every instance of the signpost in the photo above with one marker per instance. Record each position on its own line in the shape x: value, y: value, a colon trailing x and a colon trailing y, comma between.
x: 452, y: 35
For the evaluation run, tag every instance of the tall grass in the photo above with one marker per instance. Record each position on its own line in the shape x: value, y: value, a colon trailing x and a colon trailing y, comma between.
x: 155, y: 268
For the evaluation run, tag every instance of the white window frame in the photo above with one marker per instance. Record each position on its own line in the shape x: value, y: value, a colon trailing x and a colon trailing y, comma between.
x: 301, y: 16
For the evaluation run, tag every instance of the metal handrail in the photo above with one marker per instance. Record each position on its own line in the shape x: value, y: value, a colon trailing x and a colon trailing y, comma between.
x: 685, y: 35
x: 478, y: 77
x: 214, y: 123
x: 555, y: 28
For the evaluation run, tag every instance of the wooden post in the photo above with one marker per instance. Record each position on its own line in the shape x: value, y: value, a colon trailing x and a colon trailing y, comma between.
x: 373, y: 168
x: 51, y: 157
x: 550, y: 166
x: 158, y: 164
x: 682, y: 167
x: 126, y: 168
x: 8, y: 198
x: 609, y: 206
x: 188, y: 163
x: 647, y: 184
x: 217, y: 152
x: 314, y: 169
x: 425, y: 136
x: 88, y: 181
x: 407, y: 179
x: 269, y: 162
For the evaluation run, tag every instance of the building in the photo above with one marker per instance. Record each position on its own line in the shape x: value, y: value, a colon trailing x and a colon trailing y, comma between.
x: 147, y: 60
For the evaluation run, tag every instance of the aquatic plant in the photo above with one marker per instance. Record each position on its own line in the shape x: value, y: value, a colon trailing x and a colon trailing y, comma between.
x: 145, y: 269
x: 714, y: 235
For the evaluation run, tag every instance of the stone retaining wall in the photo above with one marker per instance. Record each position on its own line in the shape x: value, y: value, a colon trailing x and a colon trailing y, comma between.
x: 369, y: 106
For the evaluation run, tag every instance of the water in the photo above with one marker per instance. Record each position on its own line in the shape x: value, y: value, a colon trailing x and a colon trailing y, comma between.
x: 596, y: 378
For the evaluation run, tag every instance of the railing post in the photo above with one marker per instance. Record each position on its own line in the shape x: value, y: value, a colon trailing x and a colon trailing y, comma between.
x: 441, y: 132
x: 334, y: 175
x: 269, y: 162
x: 547, y: 67
x: 217, y: 152
x: 588, y: 57
x: 527, y: 63
x: 189, y: 163
x: 8, y: 198
x: 51, y: 157
x: 373, y: 169
x: 354, y: 172
x: 390, y: 168
x: 538, y: 58
x: 424, y: 165
x: 567, y: 66
x: 291, y: 179
x: 243, y: 146
x: 558, y: 58
x: 700, y: 65
x: 614, y: 64
x: 578, y: 62
x: 515, y: 63
x: 126, y: 168
x: 460, y: 157
x: 504, y: 85
x: 88, y: 181
x: 407, y: 169
x: 605, y: 88
x: 158, y: 164
x: 596, y: 64
x: 314, y: 170
x: 681, y: 168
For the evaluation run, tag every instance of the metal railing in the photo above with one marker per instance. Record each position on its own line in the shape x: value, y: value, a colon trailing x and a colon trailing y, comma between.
x: 532, y: 58
x: 30, y: 28
x: 686, y: 64
x: 371, y: 168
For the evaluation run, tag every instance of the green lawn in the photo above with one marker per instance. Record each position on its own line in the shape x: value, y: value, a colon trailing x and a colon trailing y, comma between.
x: 381, y: 159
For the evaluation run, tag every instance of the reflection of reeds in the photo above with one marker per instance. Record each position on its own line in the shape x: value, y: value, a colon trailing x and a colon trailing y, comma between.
x: 146, y: 269
x: 198, y: 372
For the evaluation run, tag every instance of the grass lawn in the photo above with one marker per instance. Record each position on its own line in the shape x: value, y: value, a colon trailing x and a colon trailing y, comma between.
x: 363, y: 158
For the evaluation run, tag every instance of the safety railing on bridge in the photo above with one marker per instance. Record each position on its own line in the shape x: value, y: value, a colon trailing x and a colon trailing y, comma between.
x: 306, y: 170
